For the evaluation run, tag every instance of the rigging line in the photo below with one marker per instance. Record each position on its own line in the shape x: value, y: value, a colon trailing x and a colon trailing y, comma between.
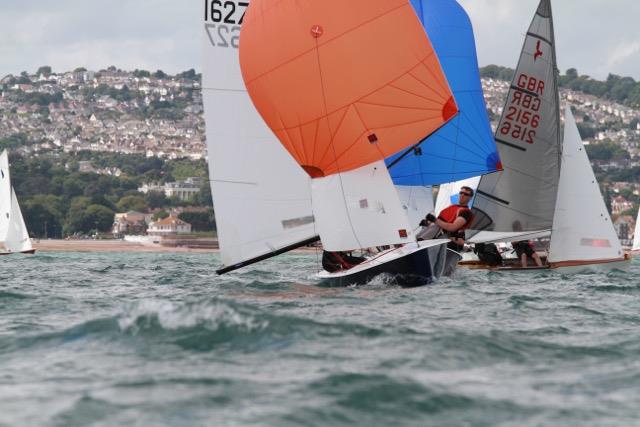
x: 331, y: 144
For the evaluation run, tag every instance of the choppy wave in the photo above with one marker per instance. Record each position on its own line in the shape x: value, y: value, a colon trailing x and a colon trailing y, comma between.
x: 120, y: 339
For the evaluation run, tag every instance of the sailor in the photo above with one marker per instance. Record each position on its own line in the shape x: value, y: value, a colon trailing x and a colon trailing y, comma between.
x: 525, y: 250
x: 455, y: 219
x: 336, y: 261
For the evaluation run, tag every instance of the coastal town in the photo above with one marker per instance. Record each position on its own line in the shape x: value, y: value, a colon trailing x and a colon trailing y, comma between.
x: 157, y: 115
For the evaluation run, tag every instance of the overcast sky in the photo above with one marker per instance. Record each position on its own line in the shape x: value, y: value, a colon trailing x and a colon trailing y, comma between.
x: 594, y: 36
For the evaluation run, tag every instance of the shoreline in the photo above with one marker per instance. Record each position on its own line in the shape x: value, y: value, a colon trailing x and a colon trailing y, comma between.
x: 89, y: 245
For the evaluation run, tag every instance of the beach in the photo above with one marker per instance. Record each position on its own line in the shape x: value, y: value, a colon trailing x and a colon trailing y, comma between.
x: 90, y: 245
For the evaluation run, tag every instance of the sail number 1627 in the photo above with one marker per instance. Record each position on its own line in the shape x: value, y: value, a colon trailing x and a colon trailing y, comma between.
x: 223, y: 20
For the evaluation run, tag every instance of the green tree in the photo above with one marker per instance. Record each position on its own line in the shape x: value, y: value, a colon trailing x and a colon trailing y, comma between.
x: 44, y: 215
x: 156, y: 199
x: 99, y: 216
x: 45, y: 70
x: 160, y: 215
x: 160, y: 74
x: 200, y: 221
x: 132, y: 203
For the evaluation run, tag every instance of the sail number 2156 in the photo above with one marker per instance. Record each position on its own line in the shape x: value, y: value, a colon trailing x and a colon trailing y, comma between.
x: 223, y: 20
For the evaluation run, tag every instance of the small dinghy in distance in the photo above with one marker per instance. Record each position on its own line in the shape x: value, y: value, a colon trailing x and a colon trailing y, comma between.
x: 14, y: 237
x: 635, y: 249
x: 548, y: 188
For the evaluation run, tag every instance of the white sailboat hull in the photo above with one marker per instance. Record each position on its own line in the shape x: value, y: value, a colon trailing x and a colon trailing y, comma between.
x: 27, y: 252
x: 414, y: 264
x: 565, y: 267
x: 596, y: 266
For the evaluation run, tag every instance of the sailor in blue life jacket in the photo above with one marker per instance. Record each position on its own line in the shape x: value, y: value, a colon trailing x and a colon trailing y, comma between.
x: 454, y: 219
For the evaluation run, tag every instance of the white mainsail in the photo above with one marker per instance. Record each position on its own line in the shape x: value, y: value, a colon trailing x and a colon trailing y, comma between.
x: 636, y: 235
x: 523, y: 196
x: 582, y: 228
x: 359, y: 209
x: 5, y: 194
x: 17, y: 237
x: 262, y: 197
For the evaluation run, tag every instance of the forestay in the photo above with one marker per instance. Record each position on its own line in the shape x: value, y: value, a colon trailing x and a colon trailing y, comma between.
x: 522, y: 197
x: 262, y: 197
x: 464, y: 147
x: 582, y: 228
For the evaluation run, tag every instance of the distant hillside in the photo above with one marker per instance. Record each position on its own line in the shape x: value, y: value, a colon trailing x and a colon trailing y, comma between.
x: 623, y: 90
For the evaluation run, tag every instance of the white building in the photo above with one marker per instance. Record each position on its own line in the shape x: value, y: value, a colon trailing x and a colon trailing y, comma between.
x: 168, y: 226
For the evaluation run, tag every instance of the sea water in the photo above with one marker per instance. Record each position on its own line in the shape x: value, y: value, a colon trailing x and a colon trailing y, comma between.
x: 160, y: 340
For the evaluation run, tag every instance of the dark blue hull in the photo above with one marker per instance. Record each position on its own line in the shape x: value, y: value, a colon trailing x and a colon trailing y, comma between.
x: 418, y: 268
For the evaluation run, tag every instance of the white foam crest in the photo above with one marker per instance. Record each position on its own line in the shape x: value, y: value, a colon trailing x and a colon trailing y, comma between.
x: 172, y: 316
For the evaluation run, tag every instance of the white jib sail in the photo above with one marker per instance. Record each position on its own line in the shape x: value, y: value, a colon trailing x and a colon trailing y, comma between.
x: 359, y: 209
x: 417, y: 202
x: 17, y: 237
x: 582, y: 228
x: 448, y: 194
x: 5, y: 195
x: 262, y: 198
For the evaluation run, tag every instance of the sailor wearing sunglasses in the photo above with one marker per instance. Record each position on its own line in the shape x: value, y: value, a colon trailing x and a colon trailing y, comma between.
x: 455, y: 219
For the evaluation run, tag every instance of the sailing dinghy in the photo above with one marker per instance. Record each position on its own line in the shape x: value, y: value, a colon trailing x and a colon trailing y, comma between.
x: 341, y: 95
x: 342, y: 92
x: 14, y: 237
x: 547, y: 188
x: 635, y: 249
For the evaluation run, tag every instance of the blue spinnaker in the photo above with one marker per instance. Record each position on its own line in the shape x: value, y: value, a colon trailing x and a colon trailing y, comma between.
x: 465, y: 146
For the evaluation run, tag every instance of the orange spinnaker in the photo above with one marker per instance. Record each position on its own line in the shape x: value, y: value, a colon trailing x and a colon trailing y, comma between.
x: 342, y: 83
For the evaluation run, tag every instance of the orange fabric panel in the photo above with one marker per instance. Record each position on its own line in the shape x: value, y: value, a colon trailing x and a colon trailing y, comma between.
x: 342, y: 83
